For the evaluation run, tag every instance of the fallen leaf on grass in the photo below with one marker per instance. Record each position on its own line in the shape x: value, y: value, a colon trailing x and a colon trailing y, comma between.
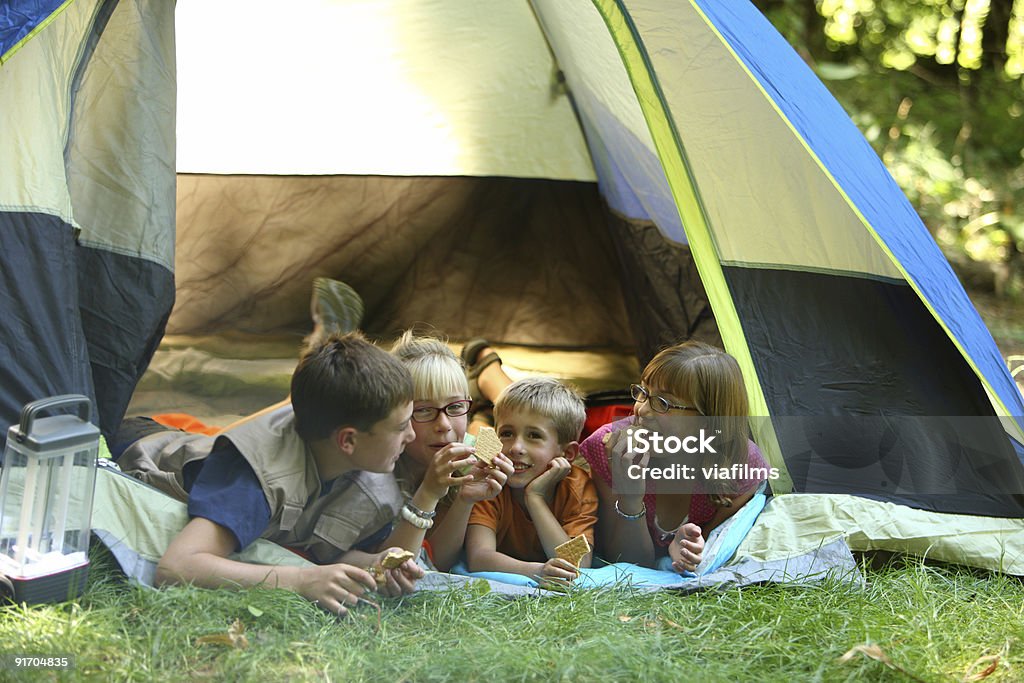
x: 874, y: 652
x: 235, y: 637
x: 624, y: 619
x: 868, y: 650
x: 984, y: 673
x: 255, y: 611
x: 669, y: 622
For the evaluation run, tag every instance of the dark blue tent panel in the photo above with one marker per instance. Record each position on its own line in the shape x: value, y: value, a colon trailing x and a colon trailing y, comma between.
x: 883, y: 384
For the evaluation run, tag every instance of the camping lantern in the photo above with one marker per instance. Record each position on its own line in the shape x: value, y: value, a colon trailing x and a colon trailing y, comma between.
x: 49, y: 473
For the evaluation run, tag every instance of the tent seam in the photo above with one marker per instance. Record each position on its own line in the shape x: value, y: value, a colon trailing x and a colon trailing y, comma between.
x: 863, y: 275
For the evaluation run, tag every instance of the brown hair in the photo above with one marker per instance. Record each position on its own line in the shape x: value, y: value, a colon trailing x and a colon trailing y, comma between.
x: 345, y: 381
x: 711, y: 381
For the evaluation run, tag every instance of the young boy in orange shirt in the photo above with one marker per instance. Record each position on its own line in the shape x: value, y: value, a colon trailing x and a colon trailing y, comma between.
x: 547, y: 500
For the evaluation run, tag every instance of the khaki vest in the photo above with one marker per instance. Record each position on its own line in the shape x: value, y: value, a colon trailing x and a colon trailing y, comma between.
x: 358, y: 504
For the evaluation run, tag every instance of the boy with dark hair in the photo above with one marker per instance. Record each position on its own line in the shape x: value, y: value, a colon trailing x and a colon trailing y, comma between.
x: 314, y: 476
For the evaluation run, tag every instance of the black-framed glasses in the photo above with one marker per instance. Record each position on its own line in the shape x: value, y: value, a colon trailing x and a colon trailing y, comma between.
x: 659, y: 404
x: 453, y: 409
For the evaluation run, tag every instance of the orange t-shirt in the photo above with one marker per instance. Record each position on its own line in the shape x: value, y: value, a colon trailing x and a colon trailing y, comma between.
x: 574, y: 506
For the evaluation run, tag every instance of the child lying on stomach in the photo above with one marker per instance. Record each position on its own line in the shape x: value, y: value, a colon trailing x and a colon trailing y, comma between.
x: 547, y: 500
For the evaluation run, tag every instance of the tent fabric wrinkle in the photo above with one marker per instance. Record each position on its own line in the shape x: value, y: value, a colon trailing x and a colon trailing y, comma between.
x: 797, y: 523
x: 120, y: 154
x: 42, y: 347
x: 471, y: 256
x: 630, y: 176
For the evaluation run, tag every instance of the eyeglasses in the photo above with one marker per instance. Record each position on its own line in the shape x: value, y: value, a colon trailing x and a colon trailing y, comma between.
x: 659, y: 404
x: 430, y: 413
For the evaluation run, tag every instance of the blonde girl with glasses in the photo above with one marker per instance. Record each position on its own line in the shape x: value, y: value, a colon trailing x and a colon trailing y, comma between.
x: 689, y: 390
x: 437, y: 472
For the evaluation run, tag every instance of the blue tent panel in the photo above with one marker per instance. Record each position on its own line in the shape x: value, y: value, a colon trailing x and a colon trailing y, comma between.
x: 855, y: 166
x: 18, y: 18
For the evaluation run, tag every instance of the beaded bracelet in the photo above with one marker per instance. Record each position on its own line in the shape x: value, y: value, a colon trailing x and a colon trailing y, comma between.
x: 422, y: 514
x: 643, y: 511
x: 412, y: 518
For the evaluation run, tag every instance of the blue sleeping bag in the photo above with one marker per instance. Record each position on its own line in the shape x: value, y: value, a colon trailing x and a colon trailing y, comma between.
x: 719, y: 549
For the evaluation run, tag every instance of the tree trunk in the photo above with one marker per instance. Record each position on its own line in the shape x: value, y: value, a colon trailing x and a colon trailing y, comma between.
x: 995, y: 31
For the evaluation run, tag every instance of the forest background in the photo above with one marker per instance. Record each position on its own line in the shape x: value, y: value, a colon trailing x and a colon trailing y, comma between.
x: 937, y: 87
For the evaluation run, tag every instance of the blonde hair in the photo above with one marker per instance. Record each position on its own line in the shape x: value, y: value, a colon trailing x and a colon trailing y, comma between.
x: 710, y: 380
x: 437, y: 372
x: 547, y: 396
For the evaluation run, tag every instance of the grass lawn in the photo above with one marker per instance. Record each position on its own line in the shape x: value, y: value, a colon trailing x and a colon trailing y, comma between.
x: 912, y: 621
x: 930, y: 623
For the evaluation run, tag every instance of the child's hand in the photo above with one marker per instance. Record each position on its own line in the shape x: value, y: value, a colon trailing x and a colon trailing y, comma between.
x: 686, y: 548
x: 620, y: 458
x: 487, y: 481
x: 398, y: 581
x: 333, y: 586
x: 544, y: 485
x: 443, y: 470
x: 558, y: 568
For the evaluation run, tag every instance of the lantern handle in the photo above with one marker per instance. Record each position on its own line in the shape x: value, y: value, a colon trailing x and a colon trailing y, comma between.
x: 31, y: 410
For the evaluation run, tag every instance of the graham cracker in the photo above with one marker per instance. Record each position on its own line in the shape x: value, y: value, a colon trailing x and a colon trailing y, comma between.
x: 574, y: 549
x: 488, y: 445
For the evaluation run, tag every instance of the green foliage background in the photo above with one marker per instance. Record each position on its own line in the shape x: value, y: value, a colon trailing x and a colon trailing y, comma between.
x: 936, y: 86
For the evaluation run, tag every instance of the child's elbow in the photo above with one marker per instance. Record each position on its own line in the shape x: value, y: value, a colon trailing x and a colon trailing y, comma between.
x: 167, y: 573
x: 474, y: 559
x: 445, y: 564
x: 164, y: 576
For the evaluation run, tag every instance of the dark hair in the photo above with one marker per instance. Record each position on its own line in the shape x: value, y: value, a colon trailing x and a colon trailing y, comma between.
x: 345, y: 381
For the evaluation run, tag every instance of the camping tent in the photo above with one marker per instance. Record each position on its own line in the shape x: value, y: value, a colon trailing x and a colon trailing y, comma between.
x: 86, y: 198
x: 539, y: 172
